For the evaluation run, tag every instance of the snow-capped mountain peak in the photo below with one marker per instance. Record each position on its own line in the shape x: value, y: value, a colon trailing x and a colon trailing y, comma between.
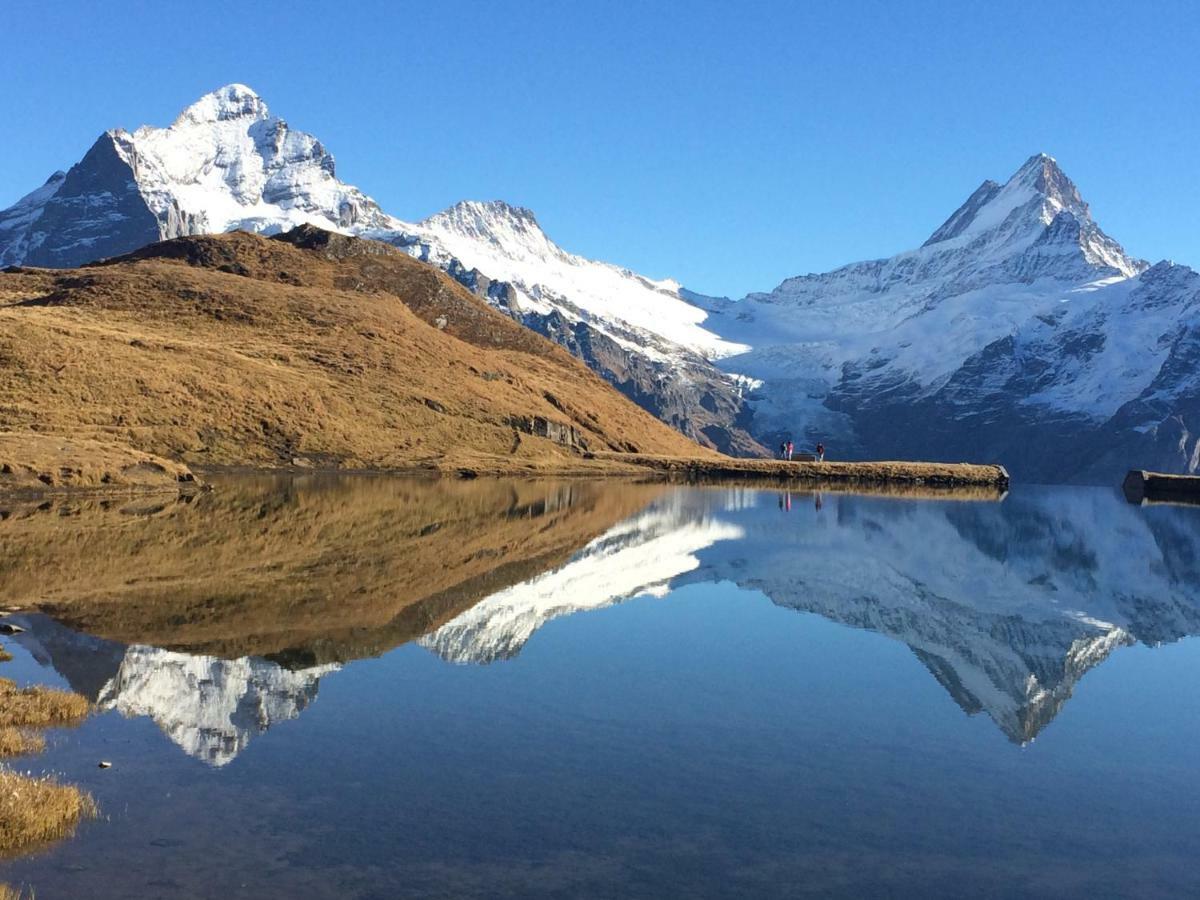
x: 1042, y: 173
x: 507, y: 244
x: 233, y: 101
x: 226, y: 163
x: 1037, y: 207
x: 511, y: 229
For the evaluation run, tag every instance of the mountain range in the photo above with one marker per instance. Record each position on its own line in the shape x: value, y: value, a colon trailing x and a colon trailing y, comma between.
x: 1019, y: 332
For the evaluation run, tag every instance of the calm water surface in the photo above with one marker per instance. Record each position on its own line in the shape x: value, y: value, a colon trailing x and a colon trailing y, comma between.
x: 378, y: 688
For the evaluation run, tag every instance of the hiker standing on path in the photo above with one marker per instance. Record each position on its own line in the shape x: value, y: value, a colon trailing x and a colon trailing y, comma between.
x: 783, y: 449
x: 820, y: 453
x: 789, y: 449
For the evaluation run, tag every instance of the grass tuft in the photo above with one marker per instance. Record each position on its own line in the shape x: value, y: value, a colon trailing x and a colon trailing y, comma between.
x: 39, y: 707
x: 37, y: 810
x: 20, y: 742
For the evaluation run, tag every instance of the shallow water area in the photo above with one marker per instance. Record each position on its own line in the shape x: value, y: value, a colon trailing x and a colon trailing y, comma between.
x: 379, y: 687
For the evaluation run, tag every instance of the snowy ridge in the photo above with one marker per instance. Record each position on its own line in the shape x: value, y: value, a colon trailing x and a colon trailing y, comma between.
x: 919, y: 314
x: 507, y: 244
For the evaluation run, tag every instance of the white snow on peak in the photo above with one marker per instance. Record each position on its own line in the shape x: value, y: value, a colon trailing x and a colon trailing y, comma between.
x: 506, y: 243
x: 227, y: 163
x: 16, y: 221
x: 233, y: 101
x: 38, y: 196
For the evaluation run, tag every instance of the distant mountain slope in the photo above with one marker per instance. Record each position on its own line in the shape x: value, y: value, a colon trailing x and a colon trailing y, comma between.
x: 1019, y: 332
x: 226, y: 163
x: 311, y: 348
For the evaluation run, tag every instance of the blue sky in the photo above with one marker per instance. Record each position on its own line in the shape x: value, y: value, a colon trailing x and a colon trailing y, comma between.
x: 728, y: 145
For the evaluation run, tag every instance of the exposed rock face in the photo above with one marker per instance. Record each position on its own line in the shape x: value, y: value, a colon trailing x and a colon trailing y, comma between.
x: 559, y: 432
x: 95, y: 211
x: 688, y: 393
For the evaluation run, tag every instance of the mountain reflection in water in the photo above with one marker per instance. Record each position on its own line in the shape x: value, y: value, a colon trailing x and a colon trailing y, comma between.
x: 218, y: 616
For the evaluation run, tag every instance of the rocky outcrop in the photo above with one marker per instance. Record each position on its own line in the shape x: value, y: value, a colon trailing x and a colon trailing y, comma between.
x: 96, y: 211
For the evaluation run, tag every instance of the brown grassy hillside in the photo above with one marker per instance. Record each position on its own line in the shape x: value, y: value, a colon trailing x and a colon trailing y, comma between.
x: 313, y: 568
x: 310, y: 348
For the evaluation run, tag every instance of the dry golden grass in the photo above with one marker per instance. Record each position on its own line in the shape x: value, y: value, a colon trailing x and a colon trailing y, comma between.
x: 37, y: 461
x: 241, y: 350
x: 37, y: 810
x: 5, y: 656
x: 20, y: 742
x: 8, y: 892
x: 862, y: 474
x: 39, y: 707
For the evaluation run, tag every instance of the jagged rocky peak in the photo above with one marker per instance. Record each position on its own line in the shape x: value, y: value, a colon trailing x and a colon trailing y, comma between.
x: 1038, y: 207
x: 1042, y: 174
x: 493, y: 221
x: 1038, y: 191
x: 233, y: 101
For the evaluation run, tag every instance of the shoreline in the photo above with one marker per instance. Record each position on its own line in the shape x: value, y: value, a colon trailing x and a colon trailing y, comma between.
x: 927, y: 477
x: 787, y: 472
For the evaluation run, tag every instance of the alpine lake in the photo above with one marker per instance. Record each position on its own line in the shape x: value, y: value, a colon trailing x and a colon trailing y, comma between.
x: 372, y: 687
